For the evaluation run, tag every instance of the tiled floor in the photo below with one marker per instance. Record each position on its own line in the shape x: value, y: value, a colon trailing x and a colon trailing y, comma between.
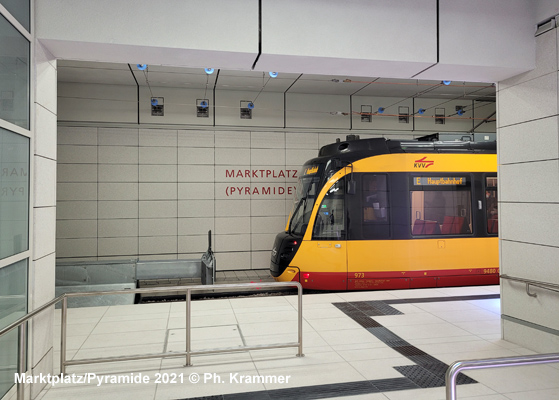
x: 353, y: 343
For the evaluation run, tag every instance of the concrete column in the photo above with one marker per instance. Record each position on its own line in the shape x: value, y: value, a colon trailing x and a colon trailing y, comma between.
x: 42, y: 265
x: 528, y: 139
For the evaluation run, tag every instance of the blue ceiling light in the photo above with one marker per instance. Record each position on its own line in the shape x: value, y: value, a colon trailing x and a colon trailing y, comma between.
x: 447, y: 82
x: 154, y: 102
x: 421, y: 111
x: 209, y: 71
x: 250, y: 105
x: 204, y: 104
x: 273, y: 74
x: 142, y: 67
x: 380, y: 110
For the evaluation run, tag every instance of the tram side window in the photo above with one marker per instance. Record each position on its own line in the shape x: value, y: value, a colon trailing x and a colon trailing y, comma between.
x: 375, y: 207
x: 441, y: 212
x: 491, y: 204
x: 330, y: 219
x: 375, y: 198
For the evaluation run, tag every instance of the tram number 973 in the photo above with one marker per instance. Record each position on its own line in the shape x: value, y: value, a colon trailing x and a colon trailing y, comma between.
x: 359, y: 275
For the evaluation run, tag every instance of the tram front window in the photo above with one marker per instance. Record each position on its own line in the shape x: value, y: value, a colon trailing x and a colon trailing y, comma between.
x: 305, y: 196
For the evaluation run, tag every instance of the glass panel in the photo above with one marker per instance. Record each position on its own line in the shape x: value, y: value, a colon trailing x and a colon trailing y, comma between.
x: 19, y: 10
x: 14, y: 193
x: 491, y: 205
x: 13, y: 305
x: 14, y: 75
x: 330, y: 219
x: 305, y: 195
x: 441, y: 212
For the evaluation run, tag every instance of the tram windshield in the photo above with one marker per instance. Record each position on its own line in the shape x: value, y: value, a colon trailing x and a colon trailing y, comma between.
x: 308, y: 188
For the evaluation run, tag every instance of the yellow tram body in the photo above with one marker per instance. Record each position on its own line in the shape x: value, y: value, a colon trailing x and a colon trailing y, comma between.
x: 460, y: 249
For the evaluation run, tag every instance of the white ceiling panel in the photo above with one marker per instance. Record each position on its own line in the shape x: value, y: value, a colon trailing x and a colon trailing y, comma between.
x: 266, y: 84
x: 256, y: 81
x: 95, y: 75
x: 174, y: 79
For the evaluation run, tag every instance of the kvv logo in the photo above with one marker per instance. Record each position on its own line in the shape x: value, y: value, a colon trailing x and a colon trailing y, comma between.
x: 423, y: 163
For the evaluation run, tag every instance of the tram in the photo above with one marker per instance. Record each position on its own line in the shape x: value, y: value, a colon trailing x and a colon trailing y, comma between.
x: 385, y: 214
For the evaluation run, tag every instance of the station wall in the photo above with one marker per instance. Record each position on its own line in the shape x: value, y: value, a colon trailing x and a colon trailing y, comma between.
x: 528, y: 155
x: 153, y: 190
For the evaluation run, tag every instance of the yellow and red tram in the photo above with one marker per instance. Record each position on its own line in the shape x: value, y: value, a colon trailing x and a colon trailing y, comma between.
x: 384, y: 214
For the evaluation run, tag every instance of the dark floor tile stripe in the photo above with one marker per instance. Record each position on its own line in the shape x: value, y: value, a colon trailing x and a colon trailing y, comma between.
x: 441, y: 299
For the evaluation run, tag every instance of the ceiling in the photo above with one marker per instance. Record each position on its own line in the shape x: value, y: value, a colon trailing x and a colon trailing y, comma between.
x: 196, y: 78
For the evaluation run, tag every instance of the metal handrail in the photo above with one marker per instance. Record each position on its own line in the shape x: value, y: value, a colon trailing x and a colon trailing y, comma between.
x: 544, y: 285
x: 456, y: 367
x: 21, y: 324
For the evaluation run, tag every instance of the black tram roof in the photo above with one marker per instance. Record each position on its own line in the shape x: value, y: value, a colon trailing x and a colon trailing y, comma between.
x: 354, y: 149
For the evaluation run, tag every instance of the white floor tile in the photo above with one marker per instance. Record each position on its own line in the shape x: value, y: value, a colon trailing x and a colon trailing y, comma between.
x: 201, y: 321
x: 493, y: 305
x: 331, y: 324
x: 443, y: 340
x: 271, y: 328
x: 468, y: 290
x: 264, y: 360
x: 474, y: 355
x: 549, y: 394
x: 428, y: 331
x: 142, y: 309
x: 262, y: 302
x: 145, y: 367
x: 417, y: 293
x: 381, y: 369
x: 309, y: 299
x: 465, y: 347
x: 474, y: 390
x: 366, y: 296
x: 370, y: 396
x: 346, y: 336
x: 72, y: 342
x: 119, y: 351
x: 324, y: 312
x: 120, y: 392
x: 485, y: 327
x: 271, y: 316
x: 446, y: 306
x: 124, y: 339
x: 317, y: 375
x: 206, y: 344
x: 418, y: 394
x: 518, y: 379
x: 407, y: 308
x: 377, y: 353
x: 471, y: 315
x: 129, y: 326
x: 408, y: 319
x: 77, y: 329
x: 310, y: 339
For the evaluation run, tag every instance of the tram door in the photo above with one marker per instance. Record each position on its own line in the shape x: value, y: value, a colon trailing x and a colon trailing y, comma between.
x: 329, y: 236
